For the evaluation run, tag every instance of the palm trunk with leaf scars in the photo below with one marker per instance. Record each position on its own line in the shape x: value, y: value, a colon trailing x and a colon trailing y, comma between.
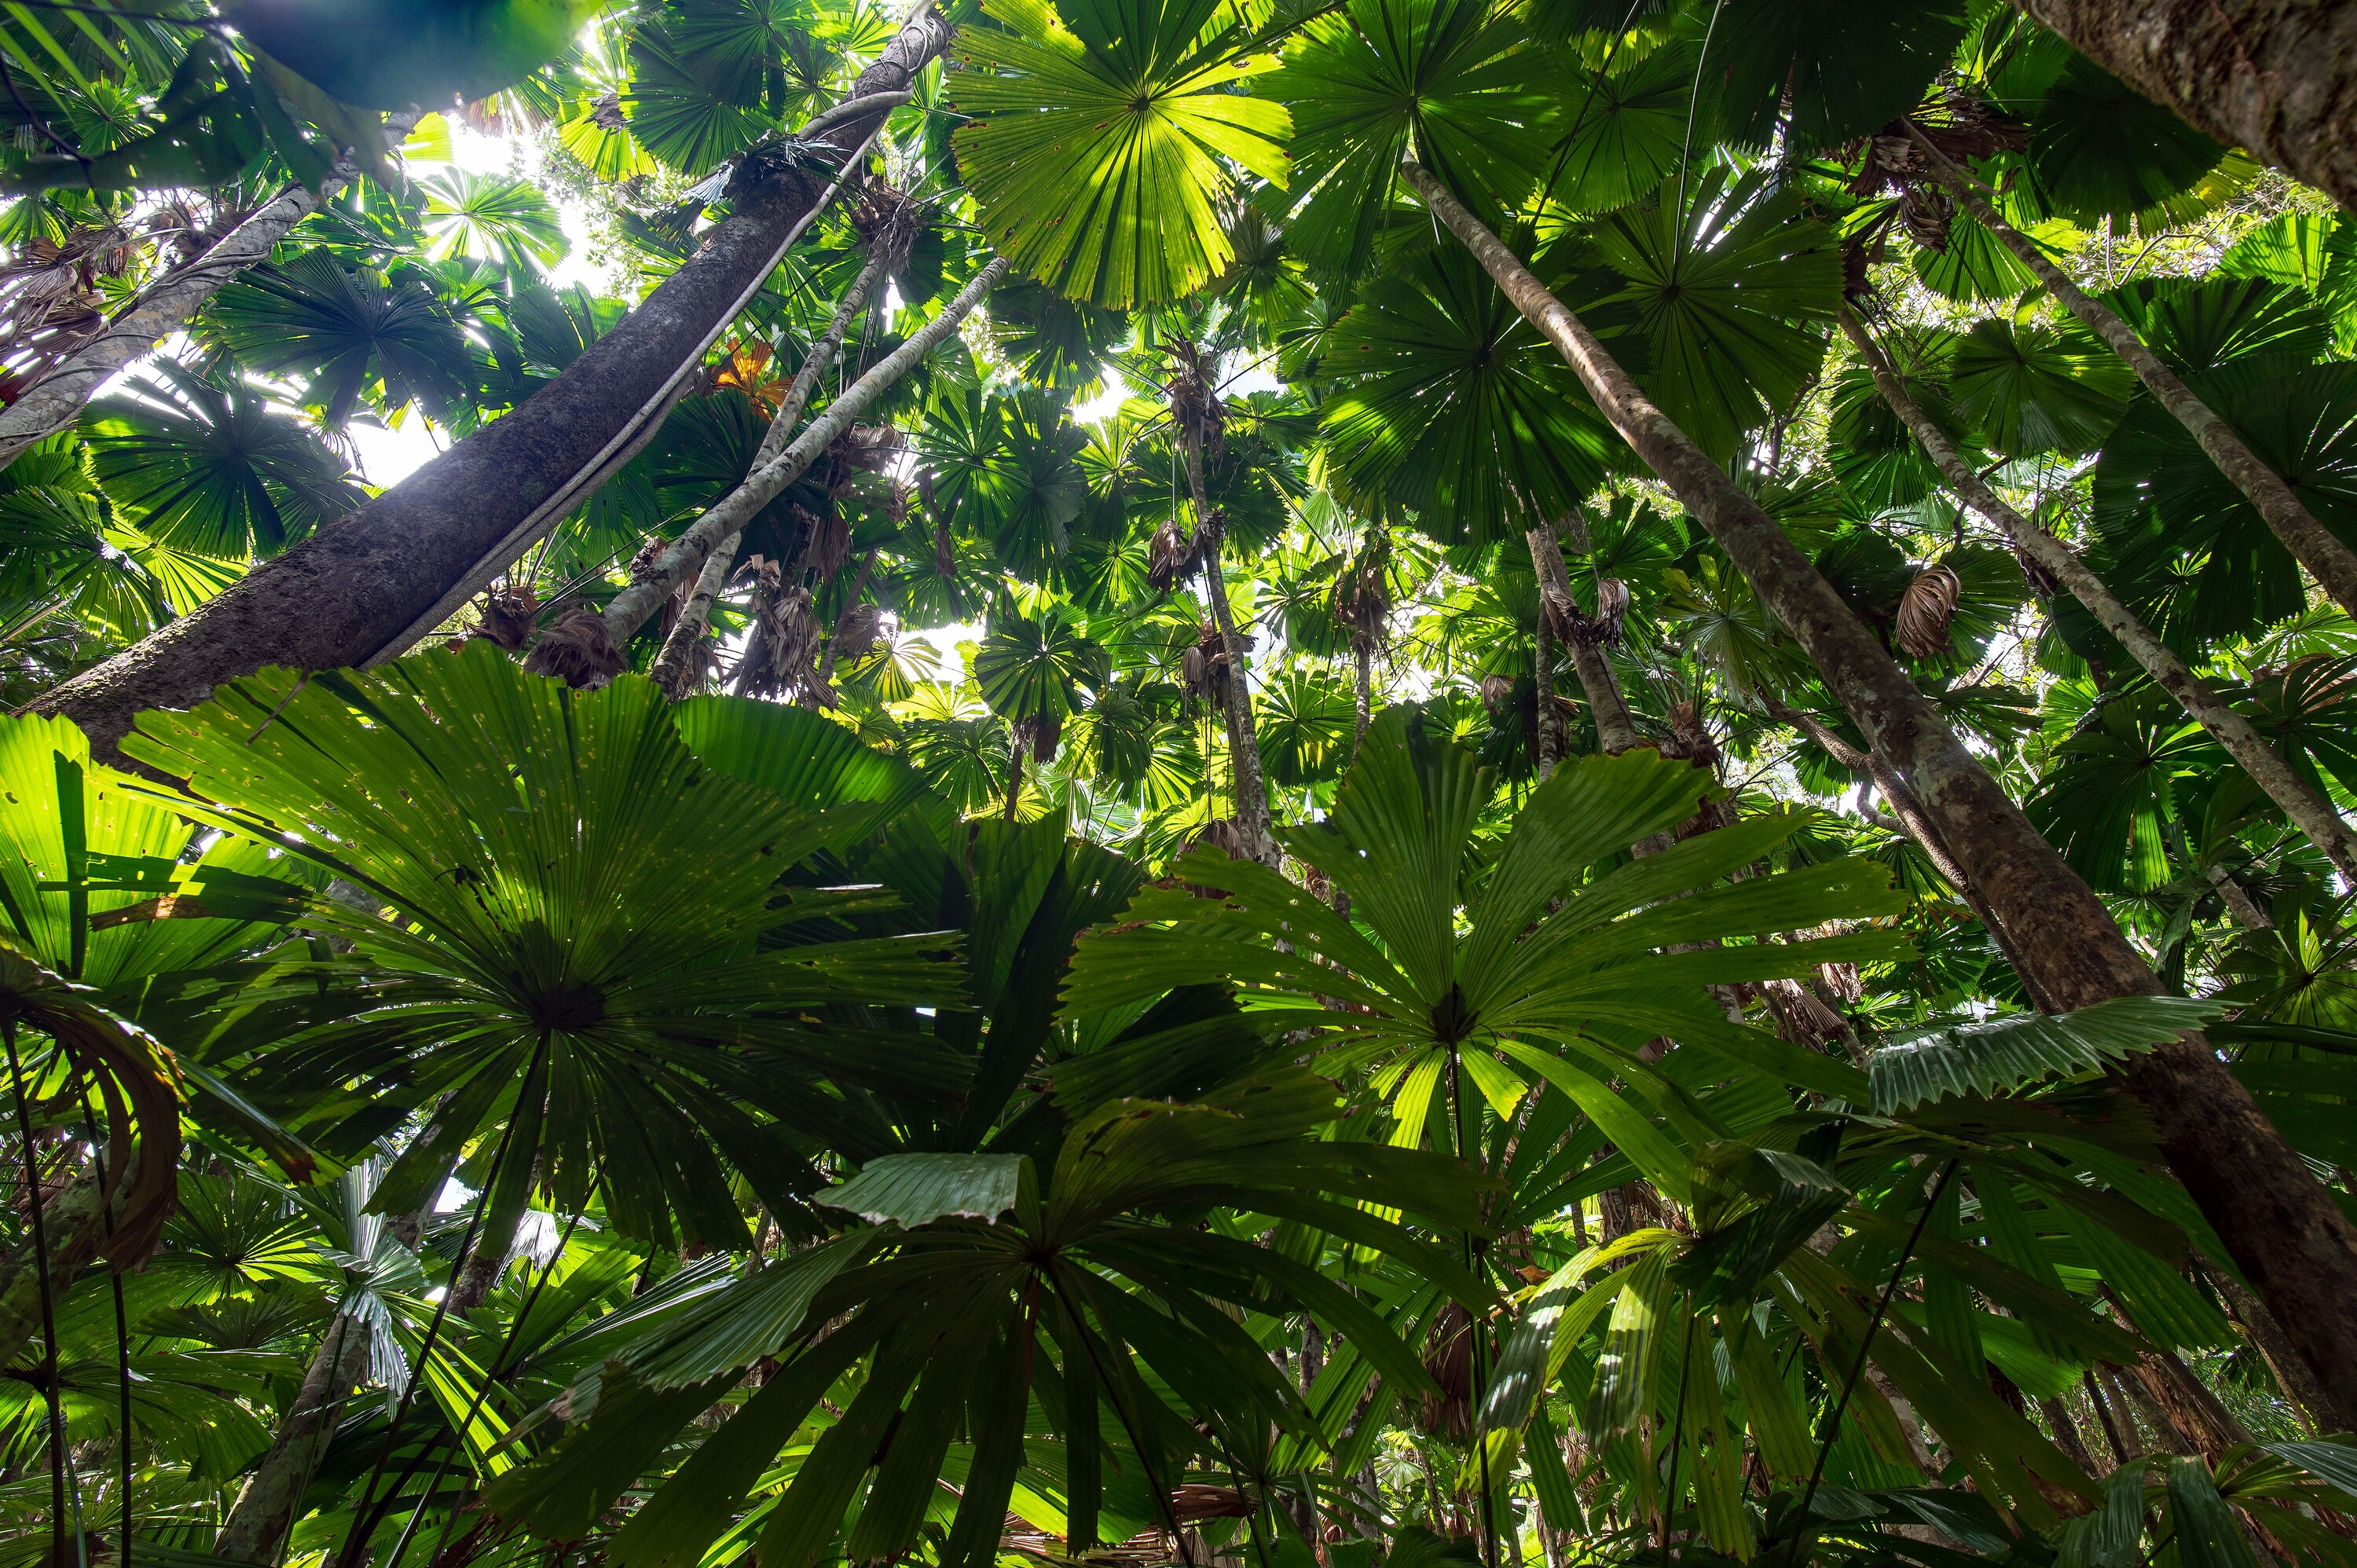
x: 1616, y: 730
x: 2277, y: 77
x: 2284, y: 1231
x: 687, y: 554
x: 2309, y: 810
x: 679, y: 664
x: 54, y: 401
x: 372, y: 583
x: 264, y: 1510
x: 1252, y: 814
x: 2331, y: 562
x: 1362, y: 688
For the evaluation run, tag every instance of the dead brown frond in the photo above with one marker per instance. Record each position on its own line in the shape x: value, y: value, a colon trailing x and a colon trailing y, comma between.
x: 1927, y: 610
x: 577, y: 649
x: 509, y: 615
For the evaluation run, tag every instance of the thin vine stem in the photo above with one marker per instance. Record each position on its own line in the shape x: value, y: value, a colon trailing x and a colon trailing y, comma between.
x: 49, y: 1306
x: 1864, y: 1349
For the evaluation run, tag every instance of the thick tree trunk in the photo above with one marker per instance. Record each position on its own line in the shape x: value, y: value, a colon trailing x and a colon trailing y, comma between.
x: 2288, y: 1237
x: 2308, y: 810
x: 2277, y: 78
x: 686, y: 555
x: 52, y: 403
x: 371, y: 584
x: 264, y: 1510
x: 2067, y: 1436
x: 2331, y: 562
x: 678, y: 666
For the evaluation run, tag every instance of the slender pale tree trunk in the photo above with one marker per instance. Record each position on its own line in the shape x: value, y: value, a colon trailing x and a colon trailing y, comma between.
x: 822, y: 354
x: 51, y: 404
x: 2288, y: 1237
x: 2309, y: 810
x: 687, y: 554
x: 264, y: 1510
x: 2276, y: 76
x: 673, y: 665
x: 1543, y: 692
x: 1363, y: 693
x: 1253, y: 816
x: 371, y: 584
x: 677, y: 667
x: 1616, y: 730
x: 2331, y: 562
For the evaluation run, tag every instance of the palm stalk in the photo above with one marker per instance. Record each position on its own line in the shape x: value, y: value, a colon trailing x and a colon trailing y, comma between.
x: 2277, y: 77
x: 687, y: 554
x: 2331, y: 562
x: 2291, y: 1240
x: 2299, y: 799
x: 378, y: 578
x: 43, y: 1281
x: 52, y: 403
x: 1616, y: 730
x: 1252, y: 814
x: 264, y: 1510
x: 676, y: 667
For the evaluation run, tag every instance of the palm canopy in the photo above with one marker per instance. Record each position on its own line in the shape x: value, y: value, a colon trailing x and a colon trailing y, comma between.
x: 552, y: 944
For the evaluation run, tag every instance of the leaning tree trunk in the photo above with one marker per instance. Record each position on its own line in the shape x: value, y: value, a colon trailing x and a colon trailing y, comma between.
x: 686, y: 555
x: 1253, y: 817
x: 680, y: 665
x: 51, y: 404
x: 2288, y: 1237
x: 2309, y: 810
x: 264, y: 1510
x: 2276, y: 77
x: 372, y: 583
x: 2331, y: 562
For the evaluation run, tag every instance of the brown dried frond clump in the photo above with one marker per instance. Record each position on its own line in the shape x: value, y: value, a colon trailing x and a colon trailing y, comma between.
x: 509, y: 615
x: 1195, y: 405
x: 1363, y: 592
x: 888, y: 221
x: 1927, y: 610
x: 1203, y: 667
x: 1448, y: 1357
x: 578, y: 650
x: 1495, y: 691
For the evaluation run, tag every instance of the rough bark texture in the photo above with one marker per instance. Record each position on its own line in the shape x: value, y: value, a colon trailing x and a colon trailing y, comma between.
x: 677, y: 667
x: 2067, y: 1436
x: 2277, y: 78
x: 264, y: 1510
x: 2331, y: 562
x: 1362, y: 654
x: 2308, y: 810
x: 1253, y: 816
x: 55, y: 401
x: 386, y: 573
x: 2288, y: 1237
x: 1543, y: 657
x: 686, y: 555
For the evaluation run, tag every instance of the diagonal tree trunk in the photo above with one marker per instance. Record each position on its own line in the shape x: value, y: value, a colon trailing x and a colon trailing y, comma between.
x: 2331, y: 562
x: 679, y: 664
x: 2288, y: 1237
x: 2300, y: 801
x: 52, y: 403
x: 264, y: 1510
x: 687, y: 554
x: 2276, y: 77
x: 371, y: 584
